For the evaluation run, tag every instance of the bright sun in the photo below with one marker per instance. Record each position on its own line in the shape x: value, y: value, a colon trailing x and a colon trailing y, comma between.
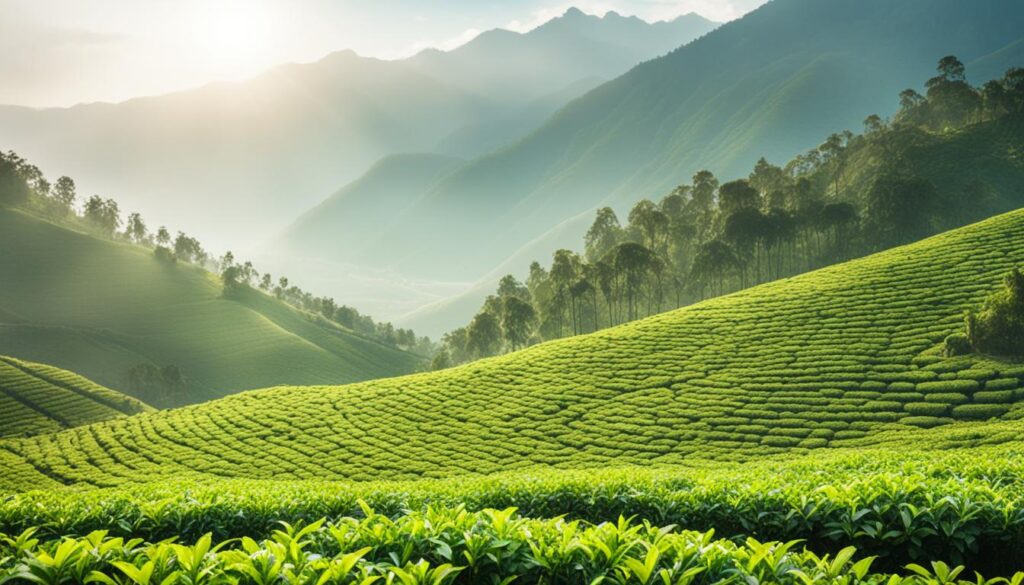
x: 233, y: 31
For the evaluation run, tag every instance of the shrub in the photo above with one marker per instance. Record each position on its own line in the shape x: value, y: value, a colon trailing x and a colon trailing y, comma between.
x: 925, y: 422
x: 947, y: 398
x: 980, y: 411
x: 956, y: 344
x: 999, y: 327
x: 1001, y: 384
x: 164, y: 254
x: 926, y: 408
x: 959, y: 386
x: 994, y: 396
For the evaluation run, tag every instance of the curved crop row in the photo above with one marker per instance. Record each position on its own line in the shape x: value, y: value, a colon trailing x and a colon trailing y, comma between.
x: 36, y: 398
x: 830, y: 359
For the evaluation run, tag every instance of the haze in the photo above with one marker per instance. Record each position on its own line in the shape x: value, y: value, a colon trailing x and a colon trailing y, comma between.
x: 62, y: 52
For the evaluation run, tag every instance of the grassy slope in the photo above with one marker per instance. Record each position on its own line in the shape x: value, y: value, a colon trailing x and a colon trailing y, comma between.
x: 99, y: 308
x: 827, y: 359
x: 36, y: 398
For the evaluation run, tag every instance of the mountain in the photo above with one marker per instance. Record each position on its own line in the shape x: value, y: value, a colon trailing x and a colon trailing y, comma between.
x: 772, y: 83
x: 828, y: 359
x: 114, y: 313
x: 556, y: 54
x: 36, y: 398
x: 261, y: 151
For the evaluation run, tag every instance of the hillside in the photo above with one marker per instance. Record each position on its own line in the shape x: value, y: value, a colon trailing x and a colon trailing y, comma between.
x: 772, y: 83
x: 976, y: 172
x: 842, y: 356
x: 36, y: 398
x: 296, y: 133
x: 104, y: 310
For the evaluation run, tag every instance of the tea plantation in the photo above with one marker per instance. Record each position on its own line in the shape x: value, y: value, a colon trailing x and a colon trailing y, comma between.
x: 824, y: 360
x: 36, y: 398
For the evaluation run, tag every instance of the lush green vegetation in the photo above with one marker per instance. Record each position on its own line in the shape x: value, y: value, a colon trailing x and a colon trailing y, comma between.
x: 24, y: 186
x: 445, y: 546
x: 825, y: 359
x: 947, y: 159
x: 163, y: 333
x: 36, y: 398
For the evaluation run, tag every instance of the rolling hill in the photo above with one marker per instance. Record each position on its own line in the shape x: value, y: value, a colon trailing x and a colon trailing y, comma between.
x: 36, y: 398
x: 772, y: 83
x: 845, y: 356
x: 276, y: 144
x: 103, y: 309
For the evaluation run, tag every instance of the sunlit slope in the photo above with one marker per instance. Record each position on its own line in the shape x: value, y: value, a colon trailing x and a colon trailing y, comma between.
x: 827, y: 359
x: 37, y: 398
x: 99, y: 308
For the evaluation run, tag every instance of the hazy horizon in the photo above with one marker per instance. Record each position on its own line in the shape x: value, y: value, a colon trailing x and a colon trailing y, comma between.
x: 60, y: 53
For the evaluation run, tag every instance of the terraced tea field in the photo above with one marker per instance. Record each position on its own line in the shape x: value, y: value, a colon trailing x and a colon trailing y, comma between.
x: 831, y: 359
x: 36, y: 398
x: 100, y: 308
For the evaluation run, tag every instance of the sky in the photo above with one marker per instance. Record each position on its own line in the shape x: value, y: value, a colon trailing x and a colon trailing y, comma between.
x: 62, y: 52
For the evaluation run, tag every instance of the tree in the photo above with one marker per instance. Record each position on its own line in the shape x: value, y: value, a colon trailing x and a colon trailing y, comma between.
x: 603, y: 234
x: 266, y: 282
x: 766, y: 177
x: 517, y: 321
x: 564, y: 269
x: 899, y: 209
x: 632, y: 263
x: 509, y: 286
x: 705, y: 185
x: 998, y: 328
x: 136, y: 230
x: 744, y: 229
x: 104, y: 215
x: 873, y: 125
x: 483, y: 337
x: 737, y: 195
x: 442, y: 360
x: 64, y: 193
x: 713, y: 262
x: 1013, y: 82
x: 163, y: 237
x: 833, y: 153
x: 650, y: 223
x: 188, y: 249
x: 14, y: 190
x: 838, y: 217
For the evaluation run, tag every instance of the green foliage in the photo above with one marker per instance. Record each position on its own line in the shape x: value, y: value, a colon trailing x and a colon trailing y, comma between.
x: 450, y: 546
x: 998, y: 328
x: 835, y: 355
x: 851, y: 195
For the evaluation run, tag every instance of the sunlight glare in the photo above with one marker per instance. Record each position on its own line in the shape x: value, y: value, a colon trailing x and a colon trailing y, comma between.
x: 233, y: 32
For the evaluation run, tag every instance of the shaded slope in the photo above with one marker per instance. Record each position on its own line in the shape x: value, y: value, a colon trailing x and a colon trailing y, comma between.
x: 772, y: 83
x: 100, y: 308
x: 833, y: 358
x: 36, y: 398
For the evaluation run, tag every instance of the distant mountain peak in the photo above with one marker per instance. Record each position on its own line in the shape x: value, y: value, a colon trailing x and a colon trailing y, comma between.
x: 573, y: 12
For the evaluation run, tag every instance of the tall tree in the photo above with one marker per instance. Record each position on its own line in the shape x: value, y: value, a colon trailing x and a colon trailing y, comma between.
x: 603, y: 234
x: 483, y: 337
x: 518, y: 318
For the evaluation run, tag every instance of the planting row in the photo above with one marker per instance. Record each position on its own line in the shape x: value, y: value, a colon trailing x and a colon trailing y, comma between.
x: 443, y: 546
